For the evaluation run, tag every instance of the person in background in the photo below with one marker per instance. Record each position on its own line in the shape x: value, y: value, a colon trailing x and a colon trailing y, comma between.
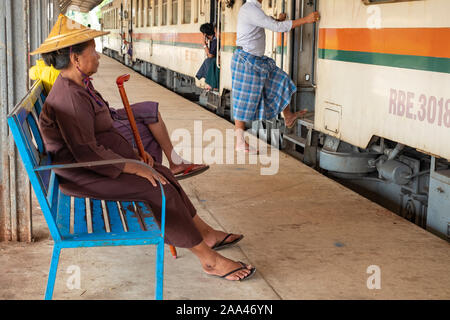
x: 260, y: 90
x: 209, y: 70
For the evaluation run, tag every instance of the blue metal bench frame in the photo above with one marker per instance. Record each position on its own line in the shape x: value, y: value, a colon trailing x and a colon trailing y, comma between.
x: 97, y: 224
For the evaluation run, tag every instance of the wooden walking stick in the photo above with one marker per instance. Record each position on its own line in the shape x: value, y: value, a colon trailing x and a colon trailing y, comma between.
x: 120, y: 81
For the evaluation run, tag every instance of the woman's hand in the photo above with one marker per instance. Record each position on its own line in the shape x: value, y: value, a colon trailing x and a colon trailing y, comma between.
x: 147, y: 158
x: 144, y: 172
x: 153, y: 177
x: 313, y: 17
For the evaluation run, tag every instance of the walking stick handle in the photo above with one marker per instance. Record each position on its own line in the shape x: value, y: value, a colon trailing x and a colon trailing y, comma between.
x: 120, y: 81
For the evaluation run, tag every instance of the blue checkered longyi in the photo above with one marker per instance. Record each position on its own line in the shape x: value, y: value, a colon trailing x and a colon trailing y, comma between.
x: 260, y: 90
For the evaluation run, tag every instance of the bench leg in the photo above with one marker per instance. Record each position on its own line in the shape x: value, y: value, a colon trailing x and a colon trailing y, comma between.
x: 52, y: 273
x: 159, y: 271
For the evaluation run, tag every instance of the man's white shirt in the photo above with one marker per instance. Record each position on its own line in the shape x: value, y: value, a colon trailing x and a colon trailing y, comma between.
x: 252, y: 22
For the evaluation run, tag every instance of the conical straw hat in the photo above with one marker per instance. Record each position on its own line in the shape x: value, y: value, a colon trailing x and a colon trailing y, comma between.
x: 66, y: 33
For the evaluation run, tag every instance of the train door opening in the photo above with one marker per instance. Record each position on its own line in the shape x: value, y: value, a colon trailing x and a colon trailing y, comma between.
x: 212, y: 99
x: 302, y: 141
x: 126, y: 32
x: 213, y: 12
x: 304, y: 57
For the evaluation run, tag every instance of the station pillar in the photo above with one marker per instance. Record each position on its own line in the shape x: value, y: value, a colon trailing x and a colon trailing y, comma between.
x: 24, y: 25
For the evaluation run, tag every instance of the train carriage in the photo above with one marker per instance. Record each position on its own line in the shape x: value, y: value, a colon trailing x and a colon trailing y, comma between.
x: 375, y: 75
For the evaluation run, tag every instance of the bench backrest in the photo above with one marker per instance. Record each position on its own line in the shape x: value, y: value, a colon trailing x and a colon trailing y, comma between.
x: 23, y: 122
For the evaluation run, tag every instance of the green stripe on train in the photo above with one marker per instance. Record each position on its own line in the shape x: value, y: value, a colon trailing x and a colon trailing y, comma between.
x: 389, y: 60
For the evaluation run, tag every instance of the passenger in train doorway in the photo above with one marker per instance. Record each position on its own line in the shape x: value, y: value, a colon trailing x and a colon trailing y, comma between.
x: 260, y: 90
x: 209, y: 70
x: 77, y: 127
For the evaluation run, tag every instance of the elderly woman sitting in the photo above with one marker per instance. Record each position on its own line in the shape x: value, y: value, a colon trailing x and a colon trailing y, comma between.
x: 77, y: 126
x: 151, y: 126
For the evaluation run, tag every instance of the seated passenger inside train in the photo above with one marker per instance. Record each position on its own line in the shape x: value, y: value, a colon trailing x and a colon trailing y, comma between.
x: 77, y: 126
x: 209, y: 70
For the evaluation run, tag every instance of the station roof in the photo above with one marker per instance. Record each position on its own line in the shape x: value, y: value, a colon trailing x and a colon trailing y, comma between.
x: 84, y: 5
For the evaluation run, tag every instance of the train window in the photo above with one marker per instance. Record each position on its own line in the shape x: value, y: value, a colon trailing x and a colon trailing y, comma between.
x: 133, y: 13
x: 187, y: 11
x: 164, y: 13
x: 136, y: 14
x: 141, y: 12
x: 149, y: 12
x: 385, y: 1
x: 174, y: 11
x: 196, y: 8
x: 156, y: 12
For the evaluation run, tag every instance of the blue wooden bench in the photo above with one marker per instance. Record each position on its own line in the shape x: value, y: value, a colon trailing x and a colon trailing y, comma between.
x: 78, y: 222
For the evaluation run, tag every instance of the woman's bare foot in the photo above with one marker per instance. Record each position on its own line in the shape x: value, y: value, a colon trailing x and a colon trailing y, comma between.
x: 222, y: 266
x: 178, y: 165
x: 180, y: 168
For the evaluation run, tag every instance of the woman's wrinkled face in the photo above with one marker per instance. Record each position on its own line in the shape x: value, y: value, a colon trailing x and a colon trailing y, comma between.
x: 88, y: 60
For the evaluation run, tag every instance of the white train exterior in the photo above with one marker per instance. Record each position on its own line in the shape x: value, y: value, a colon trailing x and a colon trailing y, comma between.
x: 375, y: 75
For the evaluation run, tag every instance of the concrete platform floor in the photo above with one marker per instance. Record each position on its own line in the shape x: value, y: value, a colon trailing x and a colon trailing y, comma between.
x: 309, y: 237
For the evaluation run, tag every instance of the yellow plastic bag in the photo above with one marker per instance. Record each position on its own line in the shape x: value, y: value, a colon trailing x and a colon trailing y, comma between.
x: 47, y: 74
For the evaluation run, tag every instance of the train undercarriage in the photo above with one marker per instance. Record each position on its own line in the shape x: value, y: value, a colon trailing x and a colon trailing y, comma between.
x: 408, y: 182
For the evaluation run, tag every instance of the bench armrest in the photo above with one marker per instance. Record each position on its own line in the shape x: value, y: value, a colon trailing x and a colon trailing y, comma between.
x: 95, y: 164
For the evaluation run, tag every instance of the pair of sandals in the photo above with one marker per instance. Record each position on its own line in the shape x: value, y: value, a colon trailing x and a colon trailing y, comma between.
x: 222, y: 245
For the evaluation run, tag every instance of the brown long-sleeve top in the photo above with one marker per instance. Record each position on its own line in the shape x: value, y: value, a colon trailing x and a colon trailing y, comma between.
x: 76, y: 128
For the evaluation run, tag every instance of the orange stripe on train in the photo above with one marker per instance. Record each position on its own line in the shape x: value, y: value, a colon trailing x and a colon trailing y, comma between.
x: 427, y: 42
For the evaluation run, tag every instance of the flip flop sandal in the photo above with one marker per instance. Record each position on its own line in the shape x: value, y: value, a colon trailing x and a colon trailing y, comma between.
x: 190, y: 172
x: 222, y: 244
x: 244, y: 266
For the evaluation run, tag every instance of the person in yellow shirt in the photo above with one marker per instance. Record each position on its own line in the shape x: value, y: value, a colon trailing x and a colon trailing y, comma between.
x: 47, y: 74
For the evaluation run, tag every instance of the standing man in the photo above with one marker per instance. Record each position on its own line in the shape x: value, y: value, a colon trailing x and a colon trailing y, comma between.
x: 260, y: 89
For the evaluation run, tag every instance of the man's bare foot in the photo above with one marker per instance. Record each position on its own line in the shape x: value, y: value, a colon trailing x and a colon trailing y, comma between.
x: 240, y: 147
x: 292, y: 118
x: 223, y: 266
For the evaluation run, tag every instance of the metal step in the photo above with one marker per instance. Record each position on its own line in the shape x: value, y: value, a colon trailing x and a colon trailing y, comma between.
x: 308, y: 121
x: 295, y: 139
